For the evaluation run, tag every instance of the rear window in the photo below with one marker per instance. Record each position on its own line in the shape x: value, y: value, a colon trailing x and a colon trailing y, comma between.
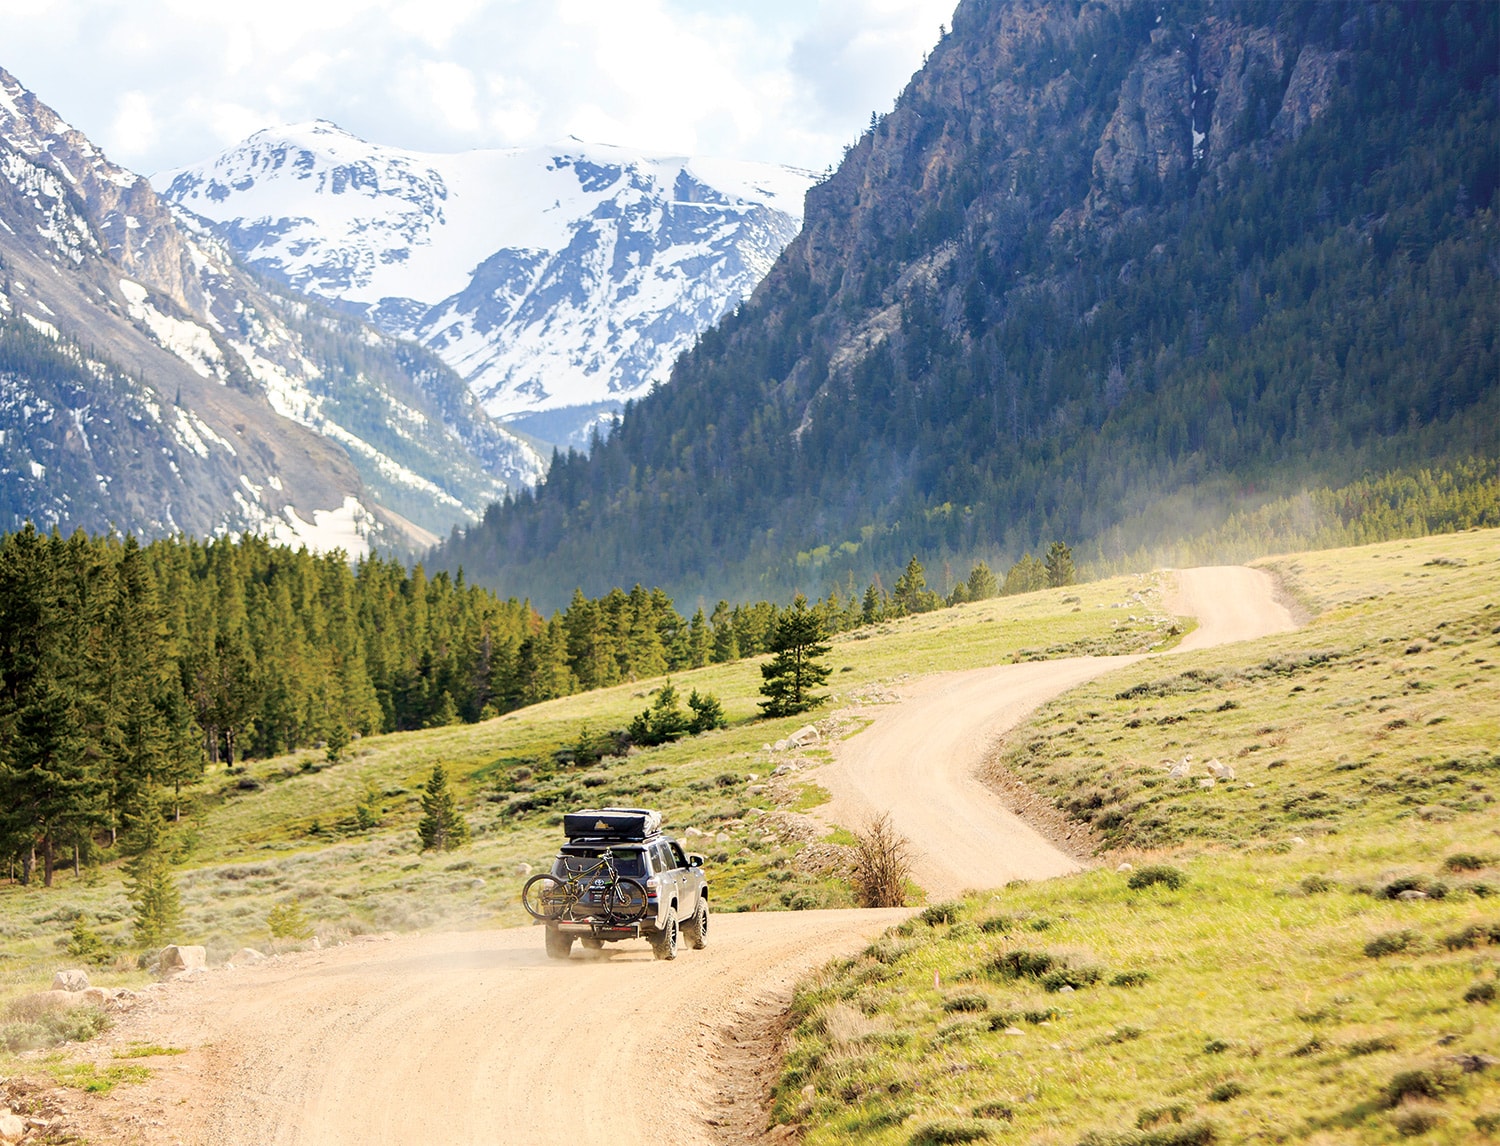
x: 577, y: 860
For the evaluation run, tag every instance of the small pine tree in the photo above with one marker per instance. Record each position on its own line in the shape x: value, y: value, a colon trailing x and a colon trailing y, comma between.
x: 662, y: 722
x: 338, y: 740
x: 1059, y: 566
x: 872, y: 608
x: 794, y: 670
x: 288, y: 921
x: 85, y: 944
x: 367, y: 811
x: 442, y: 828
x: 708, y: 712
x: 982, y: 583
x: 149, y: 884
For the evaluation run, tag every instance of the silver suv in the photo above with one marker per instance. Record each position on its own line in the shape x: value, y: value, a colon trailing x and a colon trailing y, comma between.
x: 676, y: 894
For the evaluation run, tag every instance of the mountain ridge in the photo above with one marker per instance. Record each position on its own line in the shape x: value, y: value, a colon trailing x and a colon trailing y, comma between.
x: 152, y: 385
x: 553, y: 277
x: 1096, y: 263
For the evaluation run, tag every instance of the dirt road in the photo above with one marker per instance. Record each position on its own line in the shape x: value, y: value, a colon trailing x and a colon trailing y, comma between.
x: 920, y: 759
x: 476, y: 1038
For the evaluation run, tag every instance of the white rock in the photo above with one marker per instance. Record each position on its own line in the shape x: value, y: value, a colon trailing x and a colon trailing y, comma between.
x: 1126, y: 867
x: 1205, y: 781
x: 1410, y: 894
x: 1014, y: 1031
x: 755, y: 789
x: 693, y: 833
x: 247, y: 957
x: 1297, y: 840
x: 476, y: 883
x: 177, y: 958
x: 315, y: 943
x: 1220, y: 771
x: 722, y: 837
x: 523, y: 869
x: 12, y: 1129
x: 779, y: 746
x: 753, y: 777
x: 72, y: 980
x: 807, y: 734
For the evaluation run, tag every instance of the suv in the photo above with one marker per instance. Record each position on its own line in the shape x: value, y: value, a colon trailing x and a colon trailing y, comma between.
x: 676, y: 888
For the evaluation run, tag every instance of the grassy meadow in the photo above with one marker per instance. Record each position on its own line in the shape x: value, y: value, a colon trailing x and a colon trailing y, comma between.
x: 285, y: 831
x: 1255, y: 974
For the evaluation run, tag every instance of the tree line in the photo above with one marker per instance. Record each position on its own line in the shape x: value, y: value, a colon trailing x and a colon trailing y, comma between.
x: 126, y: 669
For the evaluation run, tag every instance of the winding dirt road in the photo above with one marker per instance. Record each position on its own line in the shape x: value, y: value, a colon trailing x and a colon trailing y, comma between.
x: 920, y: 759
x: 476, y: 1038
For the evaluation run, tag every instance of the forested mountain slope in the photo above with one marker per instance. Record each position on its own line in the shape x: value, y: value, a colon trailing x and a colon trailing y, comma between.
x: 1106, y: 272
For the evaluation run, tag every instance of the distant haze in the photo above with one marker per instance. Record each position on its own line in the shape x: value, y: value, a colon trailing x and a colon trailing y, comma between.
x: 164, y: 83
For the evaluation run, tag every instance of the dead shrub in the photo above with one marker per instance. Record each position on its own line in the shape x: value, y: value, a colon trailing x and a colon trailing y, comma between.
x: 882, y: 864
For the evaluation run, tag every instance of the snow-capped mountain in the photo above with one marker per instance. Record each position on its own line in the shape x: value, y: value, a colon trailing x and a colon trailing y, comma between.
x: 148, y: 383
x: 552, y: 278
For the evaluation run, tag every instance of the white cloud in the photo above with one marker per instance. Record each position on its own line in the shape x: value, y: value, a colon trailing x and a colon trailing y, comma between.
x: 775, y: 80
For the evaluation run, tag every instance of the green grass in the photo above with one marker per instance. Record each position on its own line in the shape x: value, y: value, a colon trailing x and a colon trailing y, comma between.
x: 1254, y: 976
x: 1387, y: 706
x: 87, y: 1076
x: 290, y: 834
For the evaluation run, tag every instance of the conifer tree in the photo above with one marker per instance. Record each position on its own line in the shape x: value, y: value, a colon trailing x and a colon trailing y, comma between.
x: 698, y: 646
x: 794, y: 670
x: 662, y: 722
x: 1059, y: 565
x: 442, y: 827
x: 982, y: 583
x: 149, y: 883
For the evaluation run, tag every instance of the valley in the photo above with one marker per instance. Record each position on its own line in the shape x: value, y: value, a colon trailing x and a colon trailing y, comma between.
x: 312, y: 1027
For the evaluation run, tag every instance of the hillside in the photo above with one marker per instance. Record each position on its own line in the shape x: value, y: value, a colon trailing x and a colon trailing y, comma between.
x: 1104, y: 273
x: 559, y: 280
x: 148, y: 383
x: 1283, y: 990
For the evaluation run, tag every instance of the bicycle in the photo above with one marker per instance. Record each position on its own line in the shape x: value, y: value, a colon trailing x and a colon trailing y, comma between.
x: 606, y: 897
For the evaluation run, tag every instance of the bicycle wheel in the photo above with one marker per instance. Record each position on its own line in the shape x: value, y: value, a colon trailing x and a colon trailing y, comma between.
x: 546, y: 897
x: 627, y: 900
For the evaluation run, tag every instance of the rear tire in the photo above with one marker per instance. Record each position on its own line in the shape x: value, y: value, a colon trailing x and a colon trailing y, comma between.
x: 695, y: 930
x: 559, y: 945
x: 589, y: 943
x: 664, y: 944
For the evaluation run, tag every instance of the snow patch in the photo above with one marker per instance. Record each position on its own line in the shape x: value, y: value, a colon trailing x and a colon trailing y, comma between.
x: 42, y: 326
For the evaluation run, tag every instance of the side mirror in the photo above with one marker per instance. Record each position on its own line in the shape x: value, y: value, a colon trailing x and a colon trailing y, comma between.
x: 695, y: 860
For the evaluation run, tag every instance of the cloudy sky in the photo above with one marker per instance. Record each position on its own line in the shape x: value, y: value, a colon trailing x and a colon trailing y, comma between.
x: 163, y: 83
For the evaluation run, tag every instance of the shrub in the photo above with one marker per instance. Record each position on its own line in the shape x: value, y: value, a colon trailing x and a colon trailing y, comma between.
x: 1372, y: 1046
x: 1046, y: 1015
x: 1466, y: 861
x: 1392, y: 942
x: 85, y: 944
x: 1075, y: 977
x: 941, y: 913
x: 966, y: 1002
x: 948, y: 1130
x: 882, y: 864
x: 1317, y: 884
x: 1431, y: 888
x: 1156, y: 873
x: 1416, y: 1121
x: 1000, y: 1111
x: 1130, y: 979
x: 1429, y: 1082
x: 1192, y: 1134
x: 996, y: 925
x: 1475, y: 935
x: 37, y: 1021
x: 1226, y: 1091
x: 1480, y: 993
x: 1216, y: 1046
x: 1023, y: 964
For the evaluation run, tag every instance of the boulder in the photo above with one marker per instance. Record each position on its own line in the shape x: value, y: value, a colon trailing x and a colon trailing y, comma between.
x: 247, y: 957
x: 476, y: 883
x: 1220, y: 771
x: 1410, y: 894
x: 12, y: 1128
x: 523, y: 869
x: 1126, y: 867
x: 807, y: 734
x: 693, y: 833
x: 1205, y: 781
x: 74, y: 980
x: 722, y: 837
x: 179, y: 959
